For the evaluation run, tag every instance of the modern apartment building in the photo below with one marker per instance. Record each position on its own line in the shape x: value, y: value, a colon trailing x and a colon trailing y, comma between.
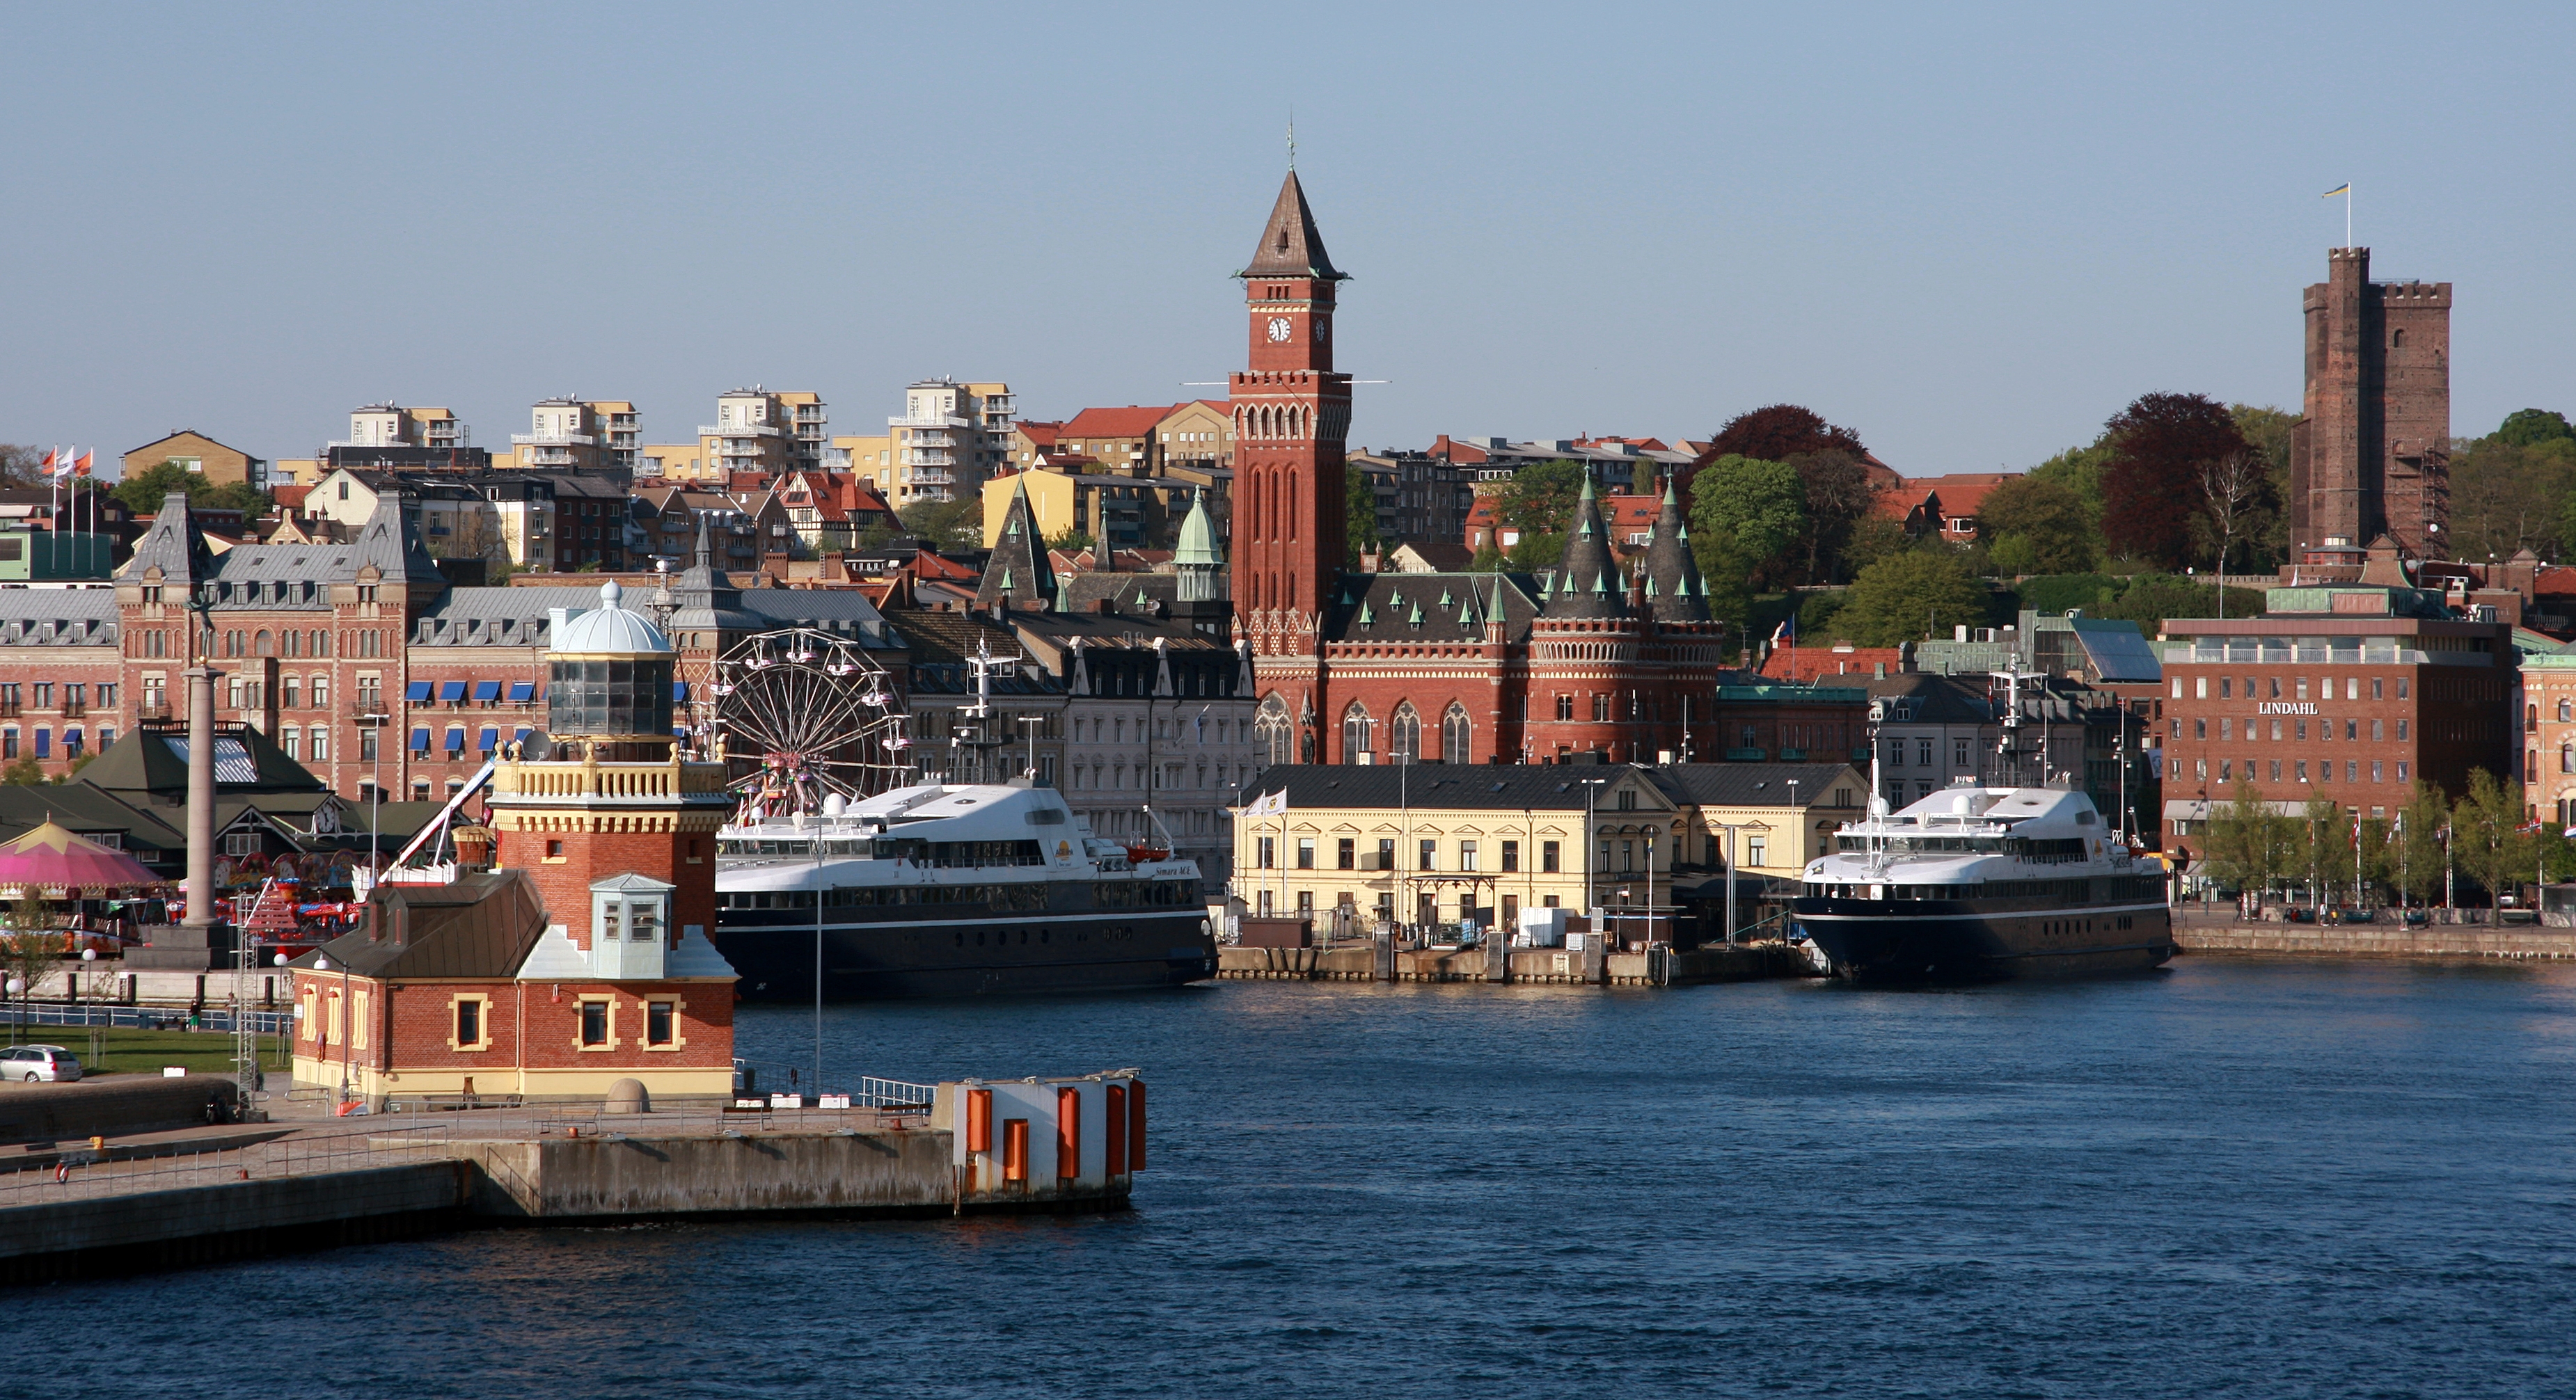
x: 760, y: 431
x: 948, y: 439
x: 391, y: 425
x: 564, y: 433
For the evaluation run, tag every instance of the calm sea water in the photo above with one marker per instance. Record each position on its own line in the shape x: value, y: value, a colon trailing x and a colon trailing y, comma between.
x: 2231, y: 1179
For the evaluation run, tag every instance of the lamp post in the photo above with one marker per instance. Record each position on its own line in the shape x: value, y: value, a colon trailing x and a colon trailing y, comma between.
x: 18, y: 992
x: 375, y: 720
x: 1589, y: 908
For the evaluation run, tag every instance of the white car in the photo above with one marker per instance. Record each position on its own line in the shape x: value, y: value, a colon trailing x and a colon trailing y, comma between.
x: 40, y: 1063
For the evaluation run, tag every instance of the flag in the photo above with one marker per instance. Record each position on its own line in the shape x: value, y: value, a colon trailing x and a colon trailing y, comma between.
x: 81, y: 465
x: 2344, y: 188
x: 63, y: 468
x: 49, y: 462
x: 1272, y: 804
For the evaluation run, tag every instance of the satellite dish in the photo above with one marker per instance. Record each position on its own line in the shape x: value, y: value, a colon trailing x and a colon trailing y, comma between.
x: 538, y: 747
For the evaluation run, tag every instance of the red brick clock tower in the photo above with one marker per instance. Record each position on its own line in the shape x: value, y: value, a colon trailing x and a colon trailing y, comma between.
x: 1291, y: 416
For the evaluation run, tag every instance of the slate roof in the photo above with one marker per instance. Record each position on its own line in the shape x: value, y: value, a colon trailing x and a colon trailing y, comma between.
x: 151, y: 759
x: 1433, y: 607
x: 1499, y: 787
x: 1017, y: 572
x: 1756, y: 784
x: 481, y: 926
x: 1588, y: 582
x: 63, y: 617
x: 1290, y: 244
x: 1674, y: 589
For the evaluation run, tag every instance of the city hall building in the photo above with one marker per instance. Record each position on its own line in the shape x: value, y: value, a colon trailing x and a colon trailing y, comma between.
x: 2347, y: 692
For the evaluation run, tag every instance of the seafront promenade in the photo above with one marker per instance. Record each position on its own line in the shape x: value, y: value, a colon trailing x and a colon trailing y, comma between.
x: 2219, y: 930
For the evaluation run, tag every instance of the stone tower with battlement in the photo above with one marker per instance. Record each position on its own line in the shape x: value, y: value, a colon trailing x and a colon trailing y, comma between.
x: 2371, y: 455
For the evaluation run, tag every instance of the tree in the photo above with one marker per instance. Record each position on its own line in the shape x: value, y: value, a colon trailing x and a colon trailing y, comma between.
x: 25, y: 772
x: 2151, y: 493
x: 2418, y: 843
x: 1907, y: 597
x: 144, y: 491
x: 2036, y: 527
x: 1779, y: 432
x: 22, y: 465
x: 1539, y: 498
x: 957, y: 524
x: 2152, y: 598
x: 1838, y: 497
x: 2507, y: 496
x: 2250, y: 846
x: 2321, y: 842
x: 1069, y: 541
x: 1757, y: 507
x: 1359, y: 526
x: 2529, y: 427
x: 2233, y: 488
x: 2487, y: 839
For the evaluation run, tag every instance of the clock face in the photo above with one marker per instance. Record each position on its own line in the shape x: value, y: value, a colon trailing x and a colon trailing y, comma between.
x: 1280, y: 330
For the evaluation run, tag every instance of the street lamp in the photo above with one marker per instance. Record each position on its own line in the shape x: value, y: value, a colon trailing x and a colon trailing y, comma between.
x: 375, y: 720
x: 18, y: 989
x: 1590, y: 911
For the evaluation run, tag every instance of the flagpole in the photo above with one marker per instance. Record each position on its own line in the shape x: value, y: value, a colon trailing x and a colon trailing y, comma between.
x: 2347, y: 216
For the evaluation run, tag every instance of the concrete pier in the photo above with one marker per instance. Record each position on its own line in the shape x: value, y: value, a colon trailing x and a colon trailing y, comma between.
x: 2508, y: 942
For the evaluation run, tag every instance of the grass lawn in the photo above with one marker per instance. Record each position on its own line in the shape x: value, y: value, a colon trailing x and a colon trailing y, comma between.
x: 133, y: 1050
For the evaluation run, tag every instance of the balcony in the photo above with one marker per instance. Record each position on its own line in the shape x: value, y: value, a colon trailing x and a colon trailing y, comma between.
x: 928, y: 457
x: 929, y: 422
x: 152, y: 709
x: 553, y: 440
x: 932, y: 476
x: 1745, y: 755
x: 740, y: 430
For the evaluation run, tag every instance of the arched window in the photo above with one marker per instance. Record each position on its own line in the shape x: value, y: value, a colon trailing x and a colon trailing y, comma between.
x: 1404, y: 735
x: 1358, y: 734
x: 2397, y: 340
x: 1457, y: 736
x: 1273, y: 732
x: 263, y: 644
x: 2566, y: 711
x: 2567, y: 758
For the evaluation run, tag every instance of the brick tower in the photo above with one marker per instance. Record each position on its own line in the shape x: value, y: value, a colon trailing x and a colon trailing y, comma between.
x: 2371, y: 456
x: 608, y: 795
x: 1291, y: 413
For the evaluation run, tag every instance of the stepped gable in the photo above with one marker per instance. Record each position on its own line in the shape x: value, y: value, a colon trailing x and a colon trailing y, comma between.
x: 1018, y: 573
x: 1290, y: 244
x: 1588, y: 583
x: 1674, y: 590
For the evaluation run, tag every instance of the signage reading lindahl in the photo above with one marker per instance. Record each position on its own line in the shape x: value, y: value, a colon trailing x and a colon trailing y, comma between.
x: 2286, y: 707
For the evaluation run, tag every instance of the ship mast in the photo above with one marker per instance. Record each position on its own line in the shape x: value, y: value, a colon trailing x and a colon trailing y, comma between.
x: 2008, y: 756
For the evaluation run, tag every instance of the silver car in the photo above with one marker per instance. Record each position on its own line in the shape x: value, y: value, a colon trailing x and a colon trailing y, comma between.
x: 40, y: 1064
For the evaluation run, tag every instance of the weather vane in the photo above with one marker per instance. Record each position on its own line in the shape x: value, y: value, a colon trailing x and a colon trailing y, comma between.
x: 1292, y: 138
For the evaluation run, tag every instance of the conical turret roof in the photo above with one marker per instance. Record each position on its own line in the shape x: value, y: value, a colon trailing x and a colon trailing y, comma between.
x: 1018, y: 572
x: 1588, y: 583
x: 1198, y: 536
x: 1290, y: 245
x: 1674, y: 589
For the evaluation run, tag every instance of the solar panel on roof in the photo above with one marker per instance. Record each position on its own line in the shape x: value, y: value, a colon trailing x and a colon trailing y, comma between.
x: 232, y: 759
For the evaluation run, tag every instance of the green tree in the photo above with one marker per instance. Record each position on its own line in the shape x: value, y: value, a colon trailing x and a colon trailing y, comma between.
x: 1838, y: 497
x: 1539, y: 498
x: 144, y: 491
x: 2079, y: 469
x: 2266, y: 541
x: 1907, y: 597
x: 2321, y: 849
x: 957, y: 524
x: 2418, y: 843
x: 2037, y: 527
x: 1359, y: 524
x: 1070, y: 541
x: 2250, y: 846
x: 26, y: 772
x: 2151, y: 598
x: 2507, y: 496
x: 2487, y: 840
x: 2529, y: 427
x: 1757, y: 507
x: 1872, y: 539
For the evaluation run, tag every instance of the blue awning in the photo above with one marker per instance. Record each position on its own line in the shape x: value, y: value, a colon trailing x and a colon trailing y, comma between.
x: 491, y: 739
x: 679, y: 692
x: 420, y: 739
x: 522, y: 692
x: 417, y: 692
x: 522, y: 735
x: 451, y: 692
x: 456, y: 738
x: 486, y: 692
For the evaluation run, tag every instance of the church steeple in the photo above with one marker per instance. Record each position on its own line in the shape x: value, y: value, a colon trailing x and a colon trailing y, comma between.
x: 1018, y: 572
x: 1290, y: 244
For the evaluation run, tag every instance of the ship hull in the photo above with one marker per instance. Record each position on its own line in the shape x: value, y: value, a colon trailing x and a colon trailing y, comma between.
x: 982, y: 957
x: 1937, y: 941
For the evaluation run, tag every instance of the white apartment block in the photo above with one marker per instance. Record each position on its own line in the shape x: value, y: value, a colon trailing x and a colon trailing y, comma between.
x: 949, y: 437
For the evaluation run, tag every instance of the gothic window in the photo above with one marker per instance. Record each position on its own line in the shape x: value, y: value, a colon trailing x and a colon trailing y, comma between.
x: 1358, y: 736
x: 2566, y: 711
x: 264, y: 644
x: 1565, y: 707
x: 1404, y: 735
x: 1457, y: 736
x: 1272, y: 731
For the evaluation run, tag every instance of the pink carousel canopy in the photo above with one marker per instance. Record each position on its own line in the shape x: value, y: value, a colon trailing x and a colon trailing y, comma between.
x: 52, y: 855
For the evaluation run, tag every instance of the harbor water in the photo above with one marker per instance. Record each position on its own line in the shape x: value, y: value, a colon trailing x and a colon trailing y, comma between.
x: 2231, y: 1178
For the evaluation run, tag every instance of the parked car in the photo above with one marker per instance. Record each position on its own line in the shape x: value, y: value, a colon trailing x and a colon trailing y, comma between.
x: 40, y: 1063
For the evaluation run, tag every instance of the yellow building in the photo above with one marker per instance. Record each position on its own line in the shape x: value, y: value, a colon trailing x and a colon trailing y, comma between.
x: 872, y: 458
x: 221, y: 465
x: 1443, y: 843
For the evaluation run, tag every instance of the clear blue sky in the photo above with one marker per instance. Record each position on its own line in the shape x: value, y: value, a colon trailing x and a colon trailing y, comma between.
x: 1970, y: 234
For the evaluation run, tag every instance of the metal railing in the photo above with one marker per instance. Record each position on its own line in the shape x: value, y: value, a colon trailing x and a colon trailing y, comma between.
x: 214, y: 1018
x: 77, y: 1173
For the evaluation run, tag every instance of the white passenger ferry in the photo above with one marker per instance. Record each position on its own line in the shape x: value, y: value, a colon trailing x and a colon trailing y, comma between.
x: 938, y: 891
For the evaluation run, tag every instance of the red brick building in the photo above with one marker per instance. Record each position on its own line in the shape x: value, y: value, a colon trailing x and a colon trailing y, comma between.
x: 2347, y: 692
x: 2371, y: 456
x: 1594, y: 658
x: 585, y: 957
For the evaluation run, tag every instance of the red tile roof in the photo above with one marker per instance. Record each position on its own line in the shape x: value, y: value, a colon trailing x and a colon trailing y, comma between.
x: 1040, y: 434
x: 1128, y: 422
x: 1811, y: 663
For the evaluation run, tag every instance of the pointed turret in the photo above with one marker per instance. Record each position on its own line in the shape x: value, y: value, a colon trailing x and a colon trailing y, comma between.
x: 1587, y: 579
x: 1198, y: 561
x: 1674, y: 589
x: 1290, y: 244
x: 174, y: 546
x: 1018, y: 572
x: 706, y: 605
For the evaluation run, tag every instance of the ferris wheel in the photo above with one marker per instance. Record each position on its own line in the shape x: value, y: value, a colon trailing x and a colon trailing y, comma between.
x: 802, y: 715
